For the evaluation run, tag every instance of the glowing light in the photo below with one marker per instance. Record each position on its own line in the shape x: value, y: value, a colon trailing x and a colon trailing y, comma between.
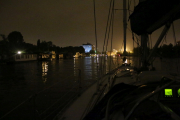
x: 178, y: 92
x: 168, y: 93
x: 19, y: 52
x: 125, y: 61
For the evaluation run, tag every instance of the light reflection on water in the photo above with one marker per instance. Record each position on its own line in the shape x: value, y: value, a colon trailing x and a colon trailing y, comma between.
x: 50, y: 79
x: 44, y: 71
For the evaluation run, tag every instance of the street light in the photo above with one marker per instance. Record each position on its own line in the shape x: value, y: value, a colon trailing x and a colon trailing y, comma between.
x: 19, y: 52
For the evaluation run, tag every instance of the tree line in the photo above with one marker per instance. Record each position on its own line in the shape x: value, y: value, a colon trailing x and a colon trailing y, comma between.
x: 14, y: 42
x: 166, y: 51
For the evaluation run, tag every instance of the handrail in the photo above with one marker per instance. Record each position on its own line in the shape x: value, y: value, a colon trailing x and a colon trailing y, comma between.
x: 168, y: 110
x: 140, y: 100
x: 108, y: 104
x: 147, y: 96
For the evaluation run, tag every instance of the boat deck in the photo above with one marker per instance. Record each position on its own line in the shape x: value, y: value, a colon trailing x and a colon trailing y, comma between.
x: 79, y: 106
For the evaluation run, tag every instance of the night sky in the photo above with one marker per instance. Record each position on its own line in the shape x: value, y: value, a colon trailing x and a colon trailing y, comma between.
x: 66, y: 22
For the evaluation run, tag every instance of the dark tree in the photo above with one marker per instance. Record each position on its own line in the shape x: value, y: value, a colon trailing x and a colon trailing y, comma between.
x: 3, y: 37
x: 15, y: 37
x: 92, y: 52
x: 38, y: 43
x: 82, y: 50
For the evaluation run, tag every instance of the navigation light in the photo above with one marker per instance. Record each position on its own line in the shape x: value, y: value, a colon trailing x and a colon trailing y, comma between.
x: 178, y: 91
x: 168, y: 92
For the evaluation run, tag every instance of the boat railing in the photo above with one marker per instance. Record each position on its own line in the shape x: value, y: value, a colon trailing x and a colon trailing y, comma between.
x: 106, y: 82
x: 148, y: 95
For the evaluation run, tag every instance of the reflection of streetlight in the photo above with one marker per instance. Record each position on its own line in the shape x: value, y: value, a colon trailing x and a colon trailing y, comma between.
x: 19, y: 52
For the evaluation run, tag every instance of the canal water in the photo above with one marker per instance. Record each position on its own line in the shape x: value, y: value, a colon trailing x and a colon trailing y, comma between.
x: 38, y: 90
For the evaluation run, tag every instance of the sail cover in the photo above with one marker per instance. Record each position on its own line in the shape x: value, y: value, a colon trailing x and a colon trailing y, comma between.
x: 147, y: 13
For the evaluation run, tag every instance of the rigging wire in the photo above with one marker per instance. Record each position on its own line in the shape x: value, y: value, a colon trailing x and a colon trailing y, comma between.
x: 164, y: 38
x: 107, y: 25
x: 112, y: 21
x: 95, y: 26
x: 94, y: 5
x: 174, y: 35
x: 110, y: 30
x: 137, y: 42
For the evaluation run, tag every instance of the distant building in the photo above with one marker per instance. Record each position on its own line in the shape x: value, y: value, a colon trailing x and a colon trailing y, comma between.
x: 88, y: 47
x: 53, y: 55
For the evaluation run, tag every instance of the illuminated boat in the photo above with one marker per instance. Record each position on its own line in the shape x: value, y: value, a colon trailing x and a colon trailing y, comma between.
x: 21, y: 57
x: 44, y: 57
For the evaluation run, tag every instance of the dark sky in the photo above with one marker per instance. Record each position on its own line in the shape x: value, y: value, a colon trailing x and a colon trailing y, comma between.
x: 64, y: 22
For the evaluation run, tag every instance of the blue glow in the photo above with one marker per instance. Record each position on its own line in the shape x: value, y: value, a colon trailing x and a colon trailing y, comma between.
x: 87, y: 48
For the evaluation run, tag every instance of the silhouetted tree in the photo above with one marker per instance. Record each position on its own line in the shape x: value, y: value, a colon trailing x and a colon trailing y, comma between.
x: 92, y: 52
x: 3, y: 37
x: 38, y: 44
x: 4, y: 45
x: 166, y: 50
x: 81, y: 49
x: 15, y: 37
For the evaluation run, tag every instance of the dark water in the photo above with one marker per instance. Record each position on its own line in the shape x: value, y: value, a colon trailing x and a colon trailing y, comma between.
x: 37, y: 90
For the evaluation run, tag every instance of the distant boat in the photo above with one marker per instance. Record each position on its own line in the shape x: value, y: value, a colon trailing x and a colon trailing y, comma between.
x: 44, y: 57
x: 77, y: 55
x: 22, y: 58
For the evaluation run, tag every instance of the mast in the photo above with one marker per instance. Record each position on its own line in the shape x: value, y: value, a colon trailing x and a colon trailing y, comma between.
x: 144, y: 41
x: 124, y: 24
